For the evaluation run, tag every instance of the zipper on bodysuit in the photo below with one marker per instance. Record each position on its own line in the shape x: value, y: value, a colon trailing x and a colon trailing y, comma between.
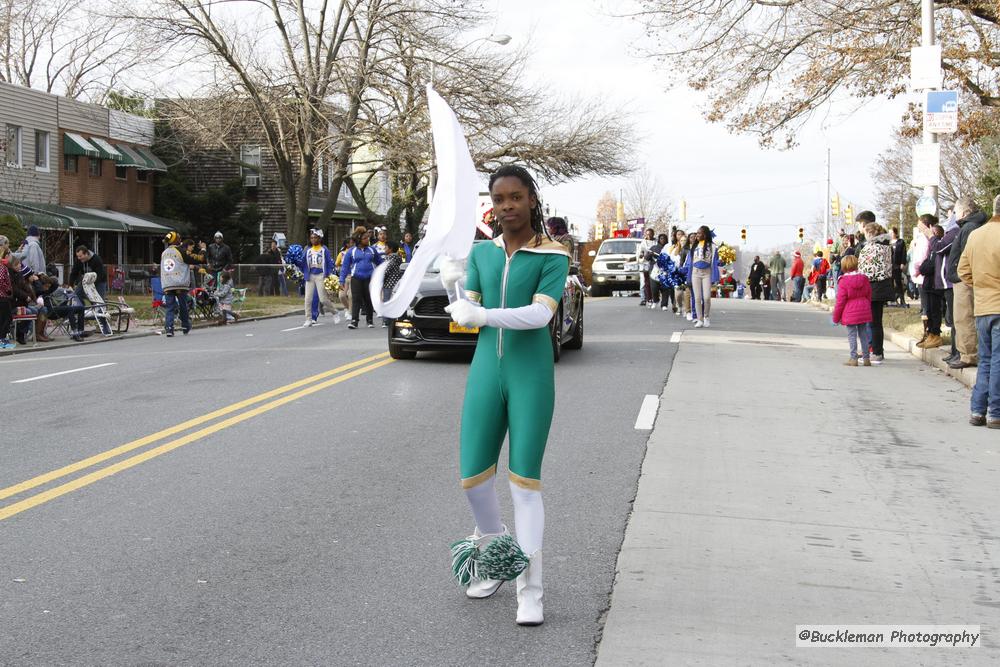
x: 503, y: 299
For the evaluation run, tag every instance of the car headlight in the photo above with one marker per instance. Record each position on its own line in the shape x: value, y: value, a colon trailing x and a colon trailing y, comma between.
x: 404, y: 328
x: 601, y: 279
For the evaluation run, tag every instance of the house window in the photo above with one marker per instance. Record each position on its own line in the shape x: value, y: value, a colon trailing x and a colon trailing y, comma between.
x: 70, y: 164
x: 41, y: 150
x: 96, y: 166
x: 250, y: 165
x: 13, y: 146
x: 142, y: 176
x: 121, y: 173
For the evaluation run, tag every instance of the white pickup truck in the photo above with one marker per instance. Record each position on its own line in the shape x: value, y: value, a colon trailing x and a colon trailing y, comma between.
x: 615, y: 267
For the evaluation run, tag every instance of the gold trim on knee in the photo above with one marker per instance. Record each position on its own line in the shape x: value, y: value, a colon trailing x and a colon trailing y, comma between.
x: 526, y: 482
x: 476, y: 480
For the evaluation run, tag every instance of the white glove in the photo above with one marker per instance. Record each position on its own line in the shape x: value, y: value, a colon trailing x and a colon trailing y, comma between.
x: 467, y: 314
x: 452, y: 270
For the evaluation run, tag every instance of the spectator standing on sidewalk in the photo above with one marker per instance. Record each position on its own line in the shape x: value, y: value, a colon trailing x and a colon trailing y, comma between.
x: 875, y: 262
x: 31, y: 251
x: 756, y: 278
x: 359, y: 264
x: 817, y: 278
x: 963, y: 331
x: 979, y: 267
x: 777, y: 268
x: 797, y: 276
x: 175, y: 279
x: 219, y: 256
x: 899, y: 267
x: 853, y: 308
x: 941, y: 253
x: 931, y: 298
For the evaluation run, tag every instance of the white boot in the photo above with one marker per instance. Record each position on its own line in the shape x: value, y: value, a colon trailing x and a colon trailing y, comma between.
x: 529, y: 592
x: 484, y: 588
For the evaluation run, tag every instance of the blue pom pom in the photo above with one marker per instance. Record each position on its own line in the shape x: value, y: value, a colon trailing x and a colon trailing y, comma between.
x: 294, y: 254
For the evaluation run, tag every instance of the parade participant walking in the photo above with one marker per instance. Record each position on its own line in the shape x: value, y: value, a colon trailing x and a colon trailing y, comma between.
x: 978, y: 269
x: 875, y: 262
x: 393, y: 273
x: 797, y: 276
x: 514, y: 285
x: 853, y: 308
x: 175, y: 280
x: 316, y: 265
x: 777, y: 268
x: 963, y: 332
x: 359, y: 263
x: 678, y: 252
x: 703, y: 272
x: 756, y: 277
x: 408, y: 246
x: 646, y: 265
x: 662, y: 296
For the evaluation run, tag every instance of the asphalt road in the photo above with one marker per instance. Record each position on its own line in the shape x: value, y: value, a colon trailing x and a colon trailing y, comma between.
x: 210, y: 525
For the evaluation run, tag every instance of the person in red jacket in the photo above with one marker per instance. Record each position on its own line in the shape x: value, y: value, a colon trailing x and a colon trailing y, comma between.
x: 854, y: 308
x: 820, y: 270
x: 798, y: 279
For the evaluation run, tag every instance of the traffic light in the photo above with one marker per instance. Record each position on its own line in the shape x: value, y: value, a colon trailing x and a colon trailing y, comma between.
x: 802, y: 233
x: 835, y: 205
x: 743, y: 234
x: 849, y: 213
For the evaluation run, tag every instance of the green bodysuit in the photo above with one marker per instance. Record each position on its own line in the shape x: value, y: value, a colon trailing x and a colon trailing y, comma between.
x: 511, y: 385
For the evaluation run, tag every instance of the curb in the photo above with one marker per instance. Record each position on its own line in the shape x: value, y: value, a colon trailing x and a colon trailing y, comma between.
x: 966, y: 376
x: 24, y: 349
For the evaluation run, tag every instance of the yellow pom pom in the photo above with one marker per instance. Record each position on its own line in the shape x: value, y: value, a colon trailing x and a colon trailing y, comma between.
x: 332, y: 284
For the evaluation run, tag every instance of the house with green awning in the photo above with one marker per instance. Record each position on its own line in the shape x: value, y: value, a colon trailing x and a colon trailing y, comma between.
x: 83, y: 173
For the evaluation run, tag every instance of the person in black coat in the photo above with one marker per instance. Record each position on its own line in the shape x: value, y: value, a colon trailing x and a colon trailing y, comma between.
x: 757, y: 270
x: 898, y: 267
x: 875, y: 261
x: 88, y: 262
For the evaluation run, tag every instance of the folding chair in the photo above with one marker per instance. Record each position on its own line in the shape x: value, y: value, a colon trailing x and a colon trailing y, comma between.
x: 239, y: 299
x: 156, y: 289
x: 98, y: 310
x: 31, y: 319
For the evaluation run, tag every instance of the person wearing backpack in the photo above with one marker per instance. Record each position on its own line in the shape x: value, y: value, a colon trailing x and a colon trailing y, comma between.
x: 175, y: 279
x: 875, y: 262
x: 359, y: 263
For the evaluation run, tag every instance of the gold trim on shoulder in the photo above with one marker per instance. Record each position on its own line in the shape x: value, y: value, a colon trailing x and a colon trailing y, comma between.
x: 547, y: 300
x: 547, y: 247
x: 526, y: 482
x: 476, y: 480
x: 474, y: 297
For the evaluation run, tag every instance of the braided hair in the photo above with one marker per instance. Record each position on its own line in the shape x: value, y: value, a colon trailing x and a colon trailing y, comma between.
x: 537, y: 217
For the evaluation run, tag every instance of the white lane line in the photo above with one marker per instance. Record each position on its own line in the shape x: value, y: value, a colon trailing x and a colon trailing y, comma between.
x: 675, y: 337
x: 318, y: 324
x: 52, y: 375
x: 647, y: 413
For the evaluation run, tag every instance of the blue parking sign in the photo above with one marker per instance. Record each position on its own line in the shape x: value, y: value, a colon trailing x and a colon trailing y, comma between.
x: 941, y: 111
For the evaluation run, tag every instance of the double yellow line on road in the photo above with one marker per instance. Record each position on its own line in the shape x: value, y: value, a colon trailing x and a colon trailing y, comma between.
x: 311, y: 385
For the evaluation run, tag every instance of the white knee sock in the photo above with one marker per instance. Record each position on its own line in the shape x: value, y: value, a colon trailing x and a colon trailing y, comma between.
x: 485, y: 507
x: 529, y: 518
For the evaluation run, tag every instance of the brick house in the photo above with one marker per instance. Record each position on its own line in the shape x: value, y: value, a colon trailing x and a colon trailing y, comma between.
x: 83, y: 173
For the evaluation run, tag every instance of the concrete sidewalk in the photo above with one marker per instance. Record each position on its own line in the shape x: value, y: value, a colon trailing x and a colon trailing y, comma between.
x: 781, y: 487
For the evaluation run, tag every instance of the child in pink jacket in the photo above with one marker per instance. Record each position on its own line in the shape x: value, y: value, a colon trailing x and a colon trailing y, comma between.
x: 854, y: 308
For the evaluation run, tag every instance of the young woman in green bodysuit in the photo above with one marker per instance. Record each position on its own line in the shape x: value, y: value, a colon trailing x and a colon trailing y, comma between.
x: 513, y: 287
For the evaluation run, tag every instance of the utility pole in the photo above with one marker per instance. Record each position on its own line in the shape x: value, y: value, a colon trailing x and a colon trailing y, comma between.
x: 927, y: 39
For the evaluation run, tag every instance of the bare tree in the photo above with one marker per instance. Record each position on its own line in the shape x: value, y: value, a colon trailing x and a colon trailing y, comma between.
x: 604, y: 216
x: 67, y: 47
x: 768, y: 65
x: 504, y: 120
x: 645, y: 197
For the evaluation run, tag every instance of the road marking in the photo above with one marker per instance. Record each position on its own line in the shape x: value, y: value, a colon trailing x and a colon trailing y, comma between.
x: 318, y: 324
x: 647, y: 414
x: 183, y: 426
x: 132, y: 461
x: 75, y: 370
x: 675, y: 337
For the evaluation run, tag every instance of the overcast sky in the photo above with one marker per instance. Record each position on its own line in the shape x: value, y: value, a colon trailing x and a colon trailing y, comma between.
x: 726, y: 178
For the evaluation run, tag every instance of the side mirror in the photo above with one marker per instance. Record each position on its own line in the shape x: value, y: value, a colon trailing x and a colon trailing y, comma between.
x: 592, y: 253
x: 574, y: 270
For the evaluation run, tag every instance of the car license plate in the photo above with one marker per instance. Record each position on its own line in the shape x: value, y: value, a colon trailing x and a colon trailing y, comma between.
x: 621, y: 277
x: 453, y: 327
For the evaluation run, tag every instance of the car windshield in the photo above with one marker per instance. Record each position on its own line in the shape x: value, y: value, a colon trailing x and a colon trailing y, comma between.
x: 623, y: 247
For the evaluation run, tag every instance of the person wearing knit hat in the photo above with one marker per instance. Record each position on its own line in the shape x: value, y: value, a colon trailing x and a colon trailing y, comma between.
x: 797, y: 276
x: 30, y: 252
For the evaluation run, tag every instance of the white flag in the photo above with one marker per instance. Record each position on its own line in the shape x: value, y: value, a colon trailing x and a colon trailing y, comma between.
x: 451, y: 225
